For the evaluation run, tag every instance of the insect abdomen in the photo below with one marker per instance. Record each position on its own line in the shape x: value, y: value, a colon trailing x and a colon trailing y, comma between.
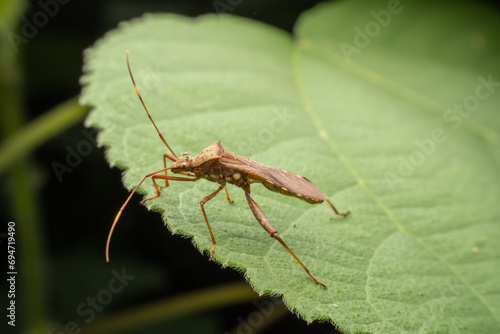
x: 288, y: 192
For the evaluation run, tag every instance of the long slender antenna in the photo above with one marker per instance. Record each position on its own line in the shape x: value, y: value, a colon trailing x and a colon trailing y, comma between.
x: 150, y: 118
x: 123, y: 208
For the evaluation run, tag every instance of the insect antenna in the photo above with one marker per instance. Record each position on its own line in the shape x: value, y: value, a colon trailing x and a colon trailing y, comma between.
x: 144, y: 105
x: 123, y: 208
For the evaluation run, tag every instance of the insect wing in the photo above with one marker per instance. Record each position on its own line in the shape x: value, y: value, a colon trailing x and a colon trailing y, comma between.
x: 275, y: 179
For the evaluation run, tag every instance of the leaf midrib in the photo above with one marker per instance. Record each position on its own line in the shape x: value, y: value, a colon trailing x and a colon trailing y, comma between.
x: 403, y: 93
x: 474, y: 127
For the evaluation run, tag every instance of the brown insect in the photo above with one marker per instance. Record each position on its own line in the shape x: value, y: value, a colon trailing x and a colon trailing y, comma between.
x: 218, y: 165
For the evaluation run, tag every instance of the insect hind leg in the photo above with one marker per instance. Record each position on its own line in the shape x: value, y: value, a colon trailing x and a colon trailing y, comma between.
x: 266, y: 224
x: 343, y: 214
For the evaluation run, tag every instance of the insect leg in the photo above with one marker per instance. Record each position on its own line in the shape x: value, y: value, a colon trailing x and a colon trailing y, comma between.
x: 202, y: 203
x: 344, y: 214
x: 266, y: 224
x: 169, y: 157
x: 227, y: 196
x: 166, y: 178
x: 165, y: 157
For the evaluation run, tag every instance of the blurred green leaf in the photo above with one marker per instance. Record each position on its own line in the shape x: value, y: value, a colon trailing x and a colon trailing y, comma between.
x: 373, y: 130
x: 37, y: 132
x: 10, y: 14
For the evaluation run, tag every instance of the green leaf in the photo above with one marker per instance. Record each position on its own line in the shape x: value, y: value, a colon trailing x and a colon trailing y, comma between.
x: 377, y: 131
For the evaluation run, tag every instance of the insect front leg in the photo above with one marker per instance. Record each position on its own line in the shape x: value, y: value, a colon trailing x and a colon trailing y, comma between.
x: 169, y: 157
x: 166, y: 178
x: 202, y: 203
x: 266, y: 224
x: 165, y: 157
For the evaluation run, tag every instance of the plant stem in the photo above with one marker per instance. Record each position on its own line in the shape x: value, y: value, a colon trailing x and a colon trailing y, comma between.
x: 31, y: 305
x: 175, y: 307
x: 40, y: 130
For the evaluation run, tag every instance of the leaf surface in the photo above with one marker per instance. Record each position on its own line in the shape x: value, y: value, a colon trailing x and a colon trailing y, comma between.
x: 377, y: 131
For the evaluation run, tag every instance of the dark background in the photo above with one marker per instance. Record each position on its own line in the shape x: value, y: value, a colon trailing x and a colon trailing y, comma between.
x: 75, y: 214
